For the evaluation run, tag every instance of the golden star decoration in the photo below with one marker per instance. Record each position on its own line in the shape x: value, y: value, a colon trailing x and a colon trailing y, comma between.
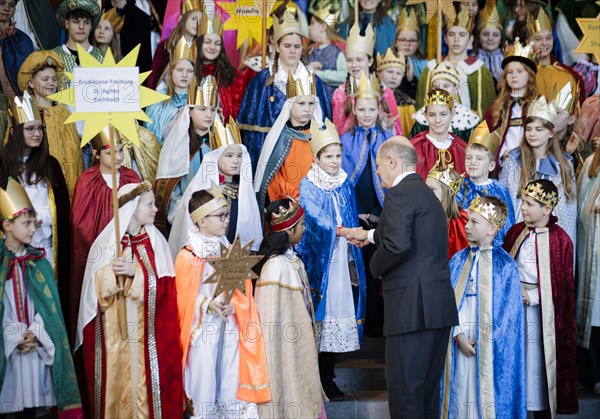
x: 590, y: 42
x: 232, y: 270
x: 245, y: 16
x: 447, y: 7
x: 124, y: 122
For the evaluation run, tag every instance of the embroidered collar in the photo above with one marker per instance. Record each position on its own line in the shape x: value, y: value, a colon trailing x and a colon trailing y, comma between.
x: 440, y: 145
x: 204, y: 246
x: 324, y: 180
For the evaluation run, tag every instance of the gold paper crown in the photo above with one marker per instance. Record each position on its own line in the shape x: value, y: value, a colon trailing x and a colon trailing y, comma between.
x: 391, y: 60
x: 24, y: 110
x: 489, y: 17
x: 367, y: 89
x: 447, y: 175
x: 321, y: 138
x: 482, y: 135
x: 463, y: 20
x: 222, y: 135
x: 290, y: 22
x: 541, y: 23
x: 191, y: 5
x: 287, y: 218
x: 518, y: 52
x: 207, y: 25
x: 536, y: 191
x: 445, y: 71
x: 364, y: 44
x: 218, y: 201
x: 564, y: 98
x: 439, y: 97
x: 540, y: 108
x: 183, y: 52
x: 488, y: 211
x: 407, y: 21
x: 203, y: 95
x: 115, y: 20
x: 302, y: 86
x: 13, y: 201
x: 101, y: 140
x: 328, y: 15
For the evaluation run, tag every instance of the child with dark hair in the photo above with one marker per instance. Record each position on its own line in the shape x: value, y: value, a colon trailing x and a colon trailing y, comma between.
x: 201, y: 313
x: 283, y: 299
x: 544, y: 254
x: 37, y: 368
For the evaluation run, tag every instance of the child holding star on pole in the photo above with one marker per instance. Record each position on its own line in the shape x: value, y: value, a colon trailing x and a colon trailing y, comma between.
x: 224, y: 364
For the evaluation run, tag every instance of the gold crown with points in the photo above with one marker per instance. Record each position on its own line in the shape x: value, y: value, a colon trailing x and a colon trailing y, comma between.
x: 536, y: 191
x: 183, y: 52
x: 322, y: 137
x: 517, y: 52
x: 463, y: 20
x: 286, y: 218
x: 302, y: 86
x: 543, y: 109
x: 481, y: 135
x: 358, y: 43
x: 290, y: 22
x: 445, y: 71
x: 447, y: 175
x: 564, y: 98
x: 367, y: 89
x: 222, y: 135
x: 407, y: 21
x: 488, y: 211
x: 13, y: 201
x: 218, y: 201
x: 101, y: 140
x: 24, y: 110
x: 207, y: 25
x: 489, y: 17
x: 328, y: 15
x: 192, y: 5
x: 390, y: 60
x: 439, y: 97
x: 115, y: 20
x: 204, y: 94
x: 540, y: 23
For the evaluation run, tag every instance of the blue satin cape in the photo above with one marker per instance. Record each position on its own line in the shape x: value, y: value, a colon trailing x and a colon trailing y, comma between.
x: 469, y: 191
x: 508, y: 336
x: 355, y: 151
x: 317, y: 244
x: 260, y: 108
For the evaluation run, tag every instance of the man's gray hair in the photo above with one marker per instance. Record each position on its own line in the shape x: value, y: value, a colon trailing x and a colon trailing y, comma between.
x: 401, y: 148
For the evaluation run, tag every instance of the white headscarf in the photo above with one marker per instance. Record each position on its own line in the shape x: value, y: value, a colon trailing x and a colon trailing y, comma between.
x: 103, y: 252
x: 248, y: 220
x: 273, y: 137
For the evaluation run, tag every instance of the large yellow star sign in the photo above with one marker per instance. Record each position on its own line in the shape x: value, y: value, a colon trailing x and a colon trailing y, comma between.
x: 108, y: 94
x: 246, y: 17
x: 590, y: 43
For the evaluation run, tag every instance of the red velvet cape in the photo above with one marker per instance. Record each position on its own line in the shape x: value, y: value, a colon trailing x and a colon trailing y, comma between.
x: 428, y: 154
x: 563, y: 297
x: 91, y: 211
x: 457, y: 237
x: 166, y: 331
x: 230, y: 96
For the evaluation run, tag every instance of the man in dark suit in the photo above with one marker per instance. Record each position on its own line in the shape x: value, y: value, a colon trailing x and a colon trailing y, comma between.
x: 412, y: 261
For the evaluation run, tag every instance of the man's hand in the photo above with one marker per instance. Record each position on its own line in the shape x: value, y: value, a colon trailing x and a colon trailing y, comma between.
x: 29, y: 343
x: 358, y: 237
x: 467, y: 347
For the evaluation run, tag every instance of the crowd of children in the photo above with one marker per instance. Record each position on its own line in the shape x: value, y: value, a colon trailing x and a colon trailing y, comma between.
x: 118, y: 314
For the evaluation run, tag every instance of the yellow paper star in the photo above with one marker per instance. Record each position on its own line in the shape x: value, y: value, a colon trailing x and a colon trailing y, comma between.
x: 246, y: 16
x: 124, y: 122
x: 232, y: 270
x: 432, y: 5
x: 590, y: 42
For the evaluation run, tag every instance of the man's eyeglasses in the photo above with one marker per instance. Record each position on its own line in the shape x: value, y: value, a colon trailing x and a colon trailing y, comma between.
x: 222, y: 217
x: 33, y: 130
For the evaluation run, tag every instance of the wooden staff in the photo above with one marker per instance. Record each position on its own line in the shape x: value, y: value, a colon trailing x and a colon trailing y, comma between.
x: 439, y: 32
x: 356, y: 7
x: 264, y: 14
x: 120, y: 296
